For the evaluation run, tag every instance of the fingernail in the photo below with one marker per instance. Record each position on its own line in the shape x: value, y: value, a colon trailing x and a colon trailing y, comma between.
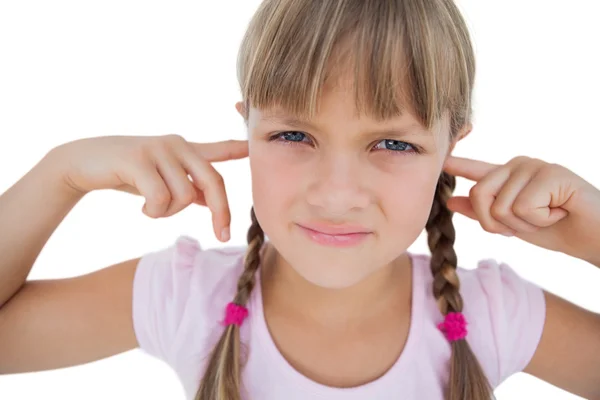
x: 508, y: 234
x: 225, y: 234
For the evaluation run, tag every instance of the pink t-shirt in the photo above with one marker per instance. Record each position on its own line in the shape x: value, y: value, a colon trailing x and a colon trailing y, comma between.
x: 180, y: 294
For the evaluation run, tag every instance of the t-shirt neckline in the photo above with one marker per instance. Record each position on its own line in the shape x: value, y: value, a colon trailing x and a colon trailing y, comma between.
x: 391, y: 377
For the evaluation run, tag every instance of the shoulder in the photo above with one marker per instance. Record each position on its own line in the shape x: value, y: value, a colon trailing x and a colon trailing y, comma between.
x: 184, y: 268
x: 186, y: 262
x: 493, y: 291
x: 506, y: 313
x: 494, y: 282
x: 179, y: 293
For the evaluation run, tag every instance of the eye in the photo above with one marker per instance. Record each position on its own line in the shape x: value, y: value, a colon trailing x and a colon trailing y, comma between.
x: 396, y: 146
x: 290, y: 137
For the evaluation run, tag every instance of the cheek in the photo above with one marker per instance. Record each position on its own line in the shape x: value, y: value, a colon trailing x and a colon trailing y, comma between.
x: 271, y: 173
x: 407, y: 203
x: 276, y: 185
x: 277, y: 166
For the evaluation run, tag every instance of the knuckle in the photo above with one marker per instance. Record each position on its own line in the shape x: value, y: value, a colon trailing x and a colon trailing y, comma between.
x: 519, y: 160
x: 537, y: 165
x: 161, y: 197
x: 162, y: 143
x: 174, y: 138
x: 140, y: 154
x: 150, y: 148
x: 174, y: 209
x: 155, y: 214
x: 188, y: 195
x: 476, y: 191
x: 520, y: 208
x: 487, y: 226
x: 492, y: 227
x: 151, y: 213
x: 499, y: 212
x: 549, y: 169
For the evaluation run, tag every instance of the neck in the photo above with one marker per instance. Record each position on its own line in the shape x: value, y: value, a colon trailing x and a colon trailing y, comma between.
x: 284, y: 289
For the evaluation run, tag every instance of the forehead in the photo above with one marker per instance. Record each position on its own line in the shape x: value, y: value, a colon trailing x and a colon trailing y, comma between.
x: 280, y: 117
x: 340, y: 95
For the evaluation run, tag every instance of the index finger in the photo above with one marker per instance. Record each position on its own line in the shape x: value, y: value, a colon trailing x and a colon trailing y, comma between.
x: 474, y: 170
x: 222, y: 151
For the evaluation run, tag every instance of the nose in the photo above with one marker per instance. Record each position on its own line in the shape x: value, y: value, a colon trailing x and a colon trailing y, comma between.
x: 338, y: 186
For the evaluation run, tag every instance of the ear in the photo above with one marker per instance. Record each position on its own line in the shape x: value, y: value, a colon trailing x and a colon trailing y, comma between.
x: 461, y: 135
x: 241, y: 109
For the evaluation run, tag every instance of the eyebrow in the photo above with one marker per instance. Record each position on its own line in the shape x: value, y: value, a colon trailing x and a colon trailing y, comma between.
x: 409, y: 130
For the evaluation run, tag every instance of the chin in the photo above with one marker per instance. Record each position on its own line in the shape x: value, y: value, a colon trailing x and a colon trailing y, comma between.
x: 338, y: 272
x: 326, y: 266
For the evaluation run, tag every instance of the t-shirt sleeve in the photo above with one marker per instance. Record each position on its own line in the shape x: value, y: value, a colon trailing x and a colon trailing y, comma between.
x: 517, y: 312
x: 161, y: 292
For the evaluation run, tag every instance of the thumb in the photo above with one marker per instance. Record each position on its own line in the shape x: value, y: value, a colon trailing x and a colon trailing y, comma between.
x: 462, y: 205
x: 221, y: 151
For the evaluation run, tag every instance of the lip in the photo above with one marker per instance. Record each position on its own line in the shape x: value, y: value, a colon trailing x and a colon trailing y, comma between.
x: 331, y: 229
x: 335, y: 235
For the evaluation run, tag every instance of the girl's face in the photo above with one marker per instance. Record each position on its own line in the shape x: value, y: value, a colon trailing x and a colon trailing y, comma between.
x: 340, y: 196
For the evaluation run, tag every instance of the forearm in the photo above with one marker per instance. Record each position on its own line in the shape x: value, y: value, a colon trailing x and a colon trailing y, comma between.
x: 594, y: 257
x: 30, y: 211
x: 585, y: 243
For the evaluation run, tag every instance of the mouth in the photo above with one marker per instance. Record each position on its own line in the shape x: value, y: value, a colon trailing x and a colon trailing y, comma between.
x: 335, y: 235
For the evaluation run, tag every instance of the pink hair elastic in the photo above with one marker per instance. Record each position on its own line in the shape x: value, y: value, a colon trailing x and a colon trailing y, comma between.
x: 235, y: 314
x: 454, y: 326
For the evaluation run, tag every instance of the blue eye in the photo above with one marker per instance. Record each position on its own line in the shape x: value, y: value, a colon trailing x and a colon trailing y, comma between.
x: 293, y: 136
x: 395, y: 146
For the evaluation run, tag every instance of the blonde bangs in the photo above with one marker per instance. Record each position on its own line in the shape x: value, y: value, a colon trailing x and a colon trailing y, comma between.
x: 394, y: 55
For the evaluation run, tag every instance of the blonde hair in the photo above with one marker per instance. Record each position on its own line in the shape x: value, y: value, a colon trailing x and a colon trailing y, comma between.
x: 402, y: 55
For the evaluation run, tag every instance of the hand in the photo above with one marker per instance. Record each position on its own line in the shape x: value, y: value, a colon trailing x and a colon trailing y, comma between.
x: 156, y: 168
x: 541, y: 203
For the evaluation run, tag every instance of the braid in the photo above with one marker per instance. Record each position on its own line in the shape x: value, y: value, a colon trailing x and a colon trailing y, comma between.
x: 222, y: 380
x: 441, y: 235
x: 467, y: 379
x: 256, y: 239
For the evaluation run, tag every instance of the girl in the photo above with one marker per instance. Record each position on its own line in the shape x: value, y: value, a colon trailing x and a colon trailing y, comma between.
x: 353, y: 109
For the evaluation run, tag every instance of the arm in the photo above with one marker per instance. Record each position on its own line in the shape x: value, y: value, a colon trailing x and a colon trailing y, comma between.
x: 49, y: 324
x: 30, y: 211
x: 568, y: 355
x: 54, y: 323
x: 549, y: 206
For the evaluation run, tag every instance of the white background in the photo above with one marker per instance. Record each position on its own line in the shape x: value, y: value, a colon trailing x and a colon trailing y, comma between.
x: 71, y: 69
